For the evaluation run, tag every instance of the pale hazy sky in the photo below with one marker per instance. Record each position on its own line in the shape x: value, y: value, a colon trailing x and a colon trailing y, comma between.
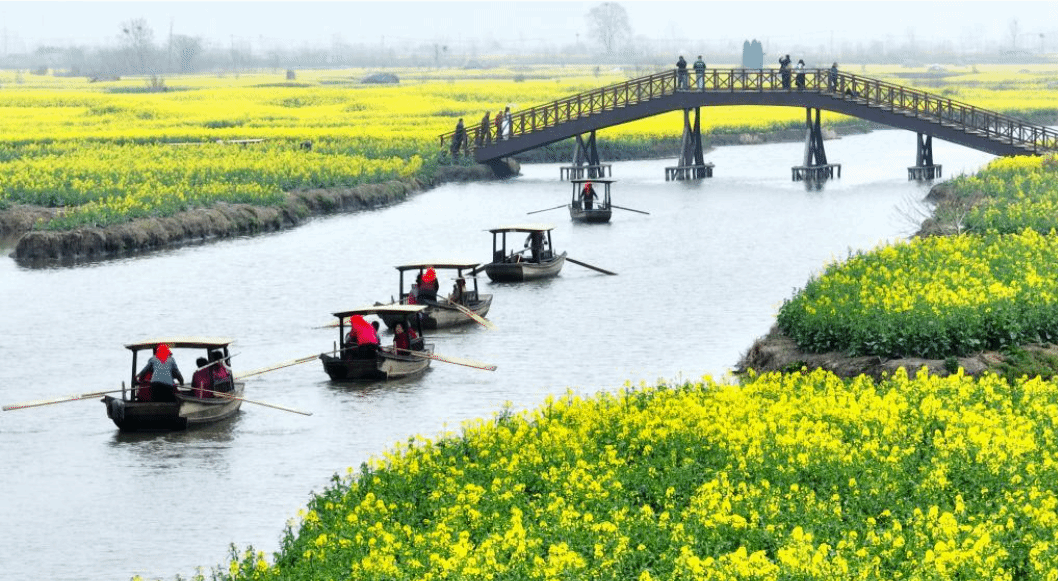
x: 24, y: 25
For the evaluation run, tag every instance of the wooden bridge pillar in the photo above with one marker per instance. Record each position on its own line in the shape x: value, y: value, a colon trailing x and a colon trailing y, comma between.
x: 924, y: 169
x: 691, y: 165
x: 815, y: 165
x: 586, y: 162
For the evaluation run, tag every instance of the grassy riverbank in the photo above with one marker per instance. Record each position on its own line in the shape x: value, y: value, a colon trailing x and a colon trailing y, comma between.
x: 941, y: 300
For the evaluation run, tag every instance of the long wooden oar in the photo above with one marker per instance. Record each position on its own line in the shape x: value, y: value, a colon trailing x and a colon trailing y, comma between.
x: 629, y: 209
x: 224, y: 394
x: 297, y: 361
x: 456, y: 360
x: 212, y: 363
x: 585, y: 265
x: 546, y: 209
x: 474, y: 316
x: 40, y: 402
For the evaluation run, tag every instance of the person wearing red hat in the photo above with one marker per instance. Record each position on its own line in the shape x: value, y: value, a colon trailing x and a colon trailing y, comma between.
x: 362, y: 337
x: 587, y: 195
x: 429, y: 287
x: 164, y: 374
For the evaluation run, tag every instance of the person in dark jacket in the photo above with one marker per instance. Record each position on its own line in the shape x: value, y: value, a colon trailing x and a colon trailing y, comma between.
x: 681, y: 73
x: 699, y: 73
x: 164, y: 373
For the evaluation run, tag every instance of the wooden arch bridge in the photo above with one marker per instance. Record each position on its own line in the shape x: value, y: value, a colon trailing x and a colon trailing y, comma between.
x: 871, y: 99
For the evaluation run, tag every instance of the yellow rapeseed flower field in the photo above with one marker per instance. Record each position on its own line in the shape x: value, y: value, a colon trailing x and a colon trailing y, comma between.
x: 786, y: 476
x: 50, y: 128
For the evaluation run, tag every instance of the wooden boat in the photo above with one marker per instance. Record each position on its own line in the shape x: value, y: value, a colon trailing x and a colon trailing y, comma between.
x: 348, y: 362
x: 133, y: 410
x: 600, y: 210
x: 441, y: 310
x: 535, y: 260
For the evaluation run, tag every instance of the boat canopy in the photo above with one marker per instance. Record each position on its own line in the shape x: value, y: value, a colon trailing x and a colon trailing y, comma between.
x: 380, y: 309
x: 523, y: 228
x: 438, y: 265
x: 593, y: 180
x: 182, y: 343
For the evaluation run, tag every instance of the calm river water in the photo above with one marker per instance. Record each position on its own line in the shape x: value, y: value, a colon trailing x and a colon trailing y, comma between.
x: 699, y: 279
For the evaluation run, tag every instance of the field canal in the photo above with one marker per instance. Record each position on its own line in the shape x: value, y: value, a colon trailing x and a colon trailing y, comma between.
x: 699, y: 279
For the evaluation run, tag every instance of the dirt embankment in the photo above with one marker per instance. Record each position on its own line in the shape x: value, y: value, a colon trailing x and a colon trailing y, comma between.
x: 45, y: 247
x: 777, y: 352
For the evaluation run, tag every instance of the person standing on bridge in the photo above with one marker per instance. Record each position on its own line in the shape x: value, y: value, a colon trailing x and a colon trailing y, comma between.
x: 800, y: 74
x: 484, y: 133
x: 499, y: 126
x: 832, y: 78
x: 699, y: 72
x: 506, y: 123
x: 681, y: 73
x: 459, y: 138
x: 784, y: 71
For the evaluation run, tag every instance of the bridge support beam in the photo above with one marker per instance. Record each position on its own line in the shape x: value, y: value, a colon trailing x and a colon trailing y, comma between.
x: 692, y: 164
x: 924, y: 169
x: 586, y: 162
x: 815, y: 167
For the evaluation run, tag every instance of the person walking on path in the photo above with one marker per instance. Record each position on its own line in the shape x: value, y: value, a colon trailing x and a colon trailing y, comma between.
x: 699, y: 72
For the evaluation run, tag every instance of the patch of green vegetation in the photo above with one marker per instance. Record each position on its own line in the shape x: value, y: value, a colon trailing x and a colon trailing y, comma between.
x: 1019, y: 362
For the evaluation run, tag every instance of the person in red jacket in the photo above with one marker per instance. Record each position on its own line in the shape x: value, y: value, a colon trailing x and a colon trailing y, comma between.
x: 362, y: 338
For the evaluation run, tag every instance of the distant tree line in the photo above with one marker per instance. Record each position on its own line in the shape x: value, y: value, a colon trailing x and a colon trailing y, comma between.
x: 608, y: 39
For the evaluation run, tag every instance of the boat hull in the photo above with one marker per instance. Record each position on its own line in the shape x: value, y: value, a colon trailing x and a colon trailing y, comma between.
x: 187, y: 411
x: 440, y: 316
x: 384, y: 365
x: 523, y: 271
x: 593, y: 216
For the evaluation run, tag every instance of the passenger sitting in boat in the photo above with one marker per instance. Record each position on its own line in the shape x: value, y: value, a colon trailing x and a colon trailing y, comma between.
x: 413, y: 294
x: 163, y: 371
x: 143, y: 387
x: 402, y: 336
x: 202, y: 379
x: 220, y: 373
x: 587, y: 195
x: 429, y: 287
x: 458, y: 290
x: 362, y: 338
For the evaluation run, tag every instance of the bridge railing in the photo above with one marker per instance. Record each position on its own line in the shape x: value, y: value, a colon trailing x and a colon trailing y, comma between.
x: 908, y: 101
x: 862, y: 90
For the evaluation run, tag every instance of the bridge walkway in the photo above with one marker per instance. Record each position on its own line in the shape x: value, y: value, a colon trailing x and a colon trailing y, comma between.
x: 849, y: 94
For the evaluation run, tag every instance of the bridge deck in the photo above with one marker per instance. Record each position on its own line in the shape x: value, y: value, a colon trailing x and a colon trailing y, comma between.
x: 857, y: 96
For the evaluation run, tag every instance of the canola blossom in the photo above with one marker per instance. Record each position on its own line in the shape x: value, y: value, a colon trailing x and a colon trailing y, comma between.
x: 99, y: 151
x: 931, y: 297
x: 1013, y: 193
x: 787, y: 476
x: 105, y: 153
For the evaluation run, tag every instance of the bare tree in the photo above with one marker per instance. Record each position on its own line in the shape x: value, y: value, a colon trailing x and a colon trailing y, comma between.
x: 186, y: 48
x: 138, y: 39
x: 609, y: 23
